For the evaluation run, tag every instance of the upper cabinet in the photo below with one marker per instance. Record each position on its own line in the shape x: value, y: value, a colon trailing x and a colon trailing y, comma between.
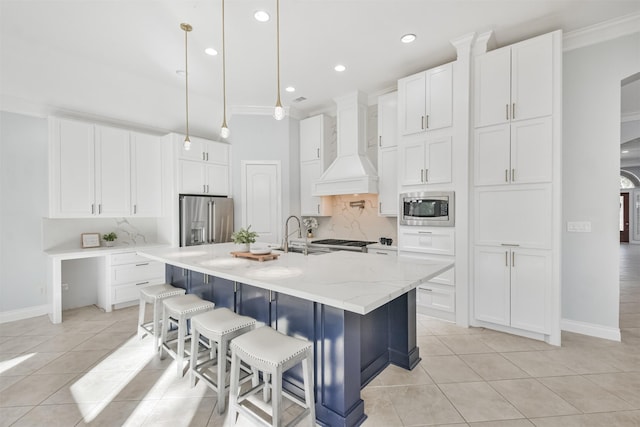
x: 515, y: 82
x: 203, y: 169
x: 426, y: 100
x: 426, y: 160
x: 102, y: 171
x: 388, y: 154
x: 388, y: 120
x: 317, y: 151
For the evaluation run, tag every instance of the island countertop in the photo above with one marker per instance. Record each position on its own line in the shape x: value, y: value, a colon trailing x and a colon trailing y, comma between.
x: 351, y: 281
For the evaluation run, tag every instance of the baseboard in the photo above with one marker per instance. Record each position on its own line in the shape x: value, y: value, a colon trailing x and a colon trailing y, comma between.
x: 23, y: 313
x: 590, y: 329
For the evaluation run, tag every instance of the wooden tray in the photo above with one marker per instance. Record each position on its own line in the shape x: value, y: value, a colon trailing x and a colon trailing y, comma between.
x: 249, y: 255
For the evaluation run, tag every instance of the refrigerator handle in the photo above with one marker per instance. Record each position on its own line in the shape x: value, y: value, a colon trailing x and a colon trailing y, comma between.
x: 183, y: 222
x: 210, y: 215
x: 213, y: 223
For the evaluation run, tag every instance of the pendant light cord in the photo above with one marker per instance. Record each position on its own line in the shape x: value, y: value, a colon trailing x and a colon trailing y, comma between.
x: 186, y: 28
x: 224, y: 74
x: 278, y: 103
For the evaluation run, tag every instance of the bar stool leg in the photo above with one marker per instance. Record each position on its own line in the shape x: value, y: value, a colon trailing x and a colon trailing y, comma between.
x: 182, y: 333
x: 276, y: 397
x: 234, y: 388
x: 143, y: 305
x: 165, y: 327
x: 195, y: 339
x: 307, y: 374
x: 157, y: 312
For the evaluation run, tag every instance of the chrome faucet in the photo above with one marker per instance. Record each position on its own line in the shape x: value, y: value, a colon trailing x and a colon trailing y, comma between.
x: 285, y: 244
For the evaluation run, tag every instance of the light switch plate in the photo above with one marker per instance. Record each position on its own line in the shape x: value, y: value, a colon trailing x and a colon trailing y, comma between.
x: 579, y: 226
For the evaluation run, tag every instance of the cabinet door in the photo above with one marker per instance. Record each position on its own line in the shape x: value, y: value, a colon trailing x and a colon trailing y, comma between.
x: 412, y: 163
x: 113, y: 171
x: 412, y: 102
x: 191, y: 177
x: 216, y: 152
x: 309, y: 173
x: 388, y: 182
x: 492, y: 285
x: 438, y: 160
x: 197, y: 150
x: 493, y: 87
x: 530, y: 290
x: 217, y: 180
x: 72, y: 169
x: 439, y: 97
x: 388, y: 120
x: 531, y: 151
x: 311, y: 135
x: 146, y: 175
x: 532, y: 78
x: 491, y: 155
x: 428, y: 240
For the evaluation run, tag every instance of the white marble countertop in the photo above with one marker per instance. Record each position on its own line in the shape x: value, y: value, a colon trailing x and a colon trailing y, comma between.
x: 352, y: 281
x: 73, y: 253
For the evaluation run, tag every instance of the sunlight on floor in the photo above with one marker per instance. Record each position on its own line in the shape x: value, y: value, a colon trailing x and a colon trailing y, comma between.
x: 12, y: 363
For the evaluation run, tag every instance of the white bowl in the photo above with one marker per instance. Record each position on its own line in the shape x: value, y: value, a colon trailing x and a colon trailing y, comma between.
x: 260, y: 251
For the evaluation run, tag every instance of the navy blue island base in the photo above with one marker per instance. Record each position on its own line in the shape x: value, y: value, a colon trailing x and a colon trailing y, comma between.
x: 350, y: 349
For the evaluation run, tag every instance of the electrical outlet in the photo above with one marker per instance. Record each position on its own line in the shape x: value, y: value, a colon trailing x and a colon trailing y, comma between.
x: 65, y: 286
x: 579, y: 226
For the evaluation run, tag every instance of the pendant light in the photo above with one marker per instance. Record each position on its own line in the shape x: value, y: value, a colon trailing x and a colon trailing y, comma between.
x: 224, y: 130
x: 187, y: 28
x: 278, y: 112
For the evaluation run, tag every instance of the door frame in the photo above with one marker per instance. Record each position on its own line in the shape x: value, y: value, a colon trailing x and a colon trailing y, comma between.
x: 626, y: 217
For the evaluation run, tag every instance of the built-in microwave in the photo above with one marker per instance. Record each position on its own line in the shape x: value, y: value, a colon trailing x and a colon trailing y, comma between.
x: 427, y: 208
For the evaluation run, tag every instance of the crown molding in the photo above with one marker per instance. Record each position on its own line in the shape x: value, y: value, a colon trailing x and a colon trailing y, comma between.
x: 603, y: 31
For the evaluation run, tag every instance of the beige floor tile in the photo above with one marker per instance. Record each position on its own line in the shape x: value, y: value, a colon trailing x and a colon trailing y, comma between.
x: 379, y: 409
x: 479, y: 402
x: 466, y: 344
x: 22, y: 344
x: 9, y: 415
x: 394, y: 375
x: 33, y: 389
x: 192, y: 412
x: 611, y: 419
x: 448, y: 369
x: 25, y: 363
x: 432, y: 346
x: 91, y: 387
x: 146, y: 384
x: 506, y: 343
x: 506, y: 423
x: 533, y: 399
x: 64, y: 342
x: 72, y: 362
x: 538, y: 364
x: 423, y: 405
x: 50, y: 415
x: 126, y: 414
x: 584, y: 394
x: 104, y: 341
x: 493, y: 366
x: 624, y: 385
x: 83, y: 326
x: 8, y: 381
x: 125, y: 358
x: 582, y: 362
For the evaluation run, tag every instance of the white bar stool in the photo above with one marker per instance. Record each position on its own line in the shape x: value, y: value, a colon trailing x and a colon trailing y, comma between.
x: 154, y: 295
x: 273, y: 353
x: 219, y: 326
x: 176, y: 311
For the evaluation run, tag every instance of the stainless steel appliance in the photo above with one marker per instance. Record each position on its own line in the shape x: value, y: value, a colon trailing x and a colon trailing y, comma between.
x: 341, y: 245
x: 427, y: 208
x: 205, y: 219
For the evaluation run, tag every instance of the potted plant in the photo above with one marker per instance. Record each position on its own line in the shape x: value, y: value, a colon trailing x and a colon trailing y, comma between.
x: 109, y: 238
x: 243, y: 238
x: 310, y: 223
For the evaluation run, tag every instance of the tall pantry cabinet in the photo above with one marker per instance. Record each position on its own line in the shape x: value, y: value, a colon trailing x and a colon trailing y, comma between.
x: 516, y: 187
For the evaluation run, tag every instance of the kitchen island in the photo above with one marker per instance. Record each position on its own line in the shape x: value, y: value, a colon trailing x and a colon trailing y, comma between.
x: 359, y: 310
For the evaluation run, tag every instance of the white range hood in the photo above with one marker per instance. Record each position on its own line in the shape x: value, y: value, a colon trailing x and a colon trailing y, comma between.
x: 351, y: 172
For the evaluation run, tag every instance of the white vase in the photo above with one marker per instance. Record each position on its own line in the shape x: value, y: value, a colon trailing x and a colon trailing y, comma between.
x: 241, y: 247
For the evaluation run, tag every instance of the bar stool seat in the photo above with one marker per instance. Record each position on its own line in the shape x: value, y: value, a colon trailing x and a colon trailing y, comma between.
x: 176, y: 311
x: 154, y: 295
x: 219, y: 326
x: 273, y: 353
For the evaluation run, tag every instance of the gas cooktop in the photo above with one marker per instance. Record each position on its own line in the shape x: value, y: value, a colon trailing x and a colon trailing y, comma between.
x: 339, y: 242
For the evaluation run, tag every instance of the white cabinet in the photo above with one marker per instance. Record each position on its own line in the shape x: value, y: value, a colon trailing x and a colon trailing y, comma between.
x: 519, y: 153
x: 379, y: 249
x: 317, y: 151
x: 426, y: 160
x: 427, y: 240
x: 128, y: 272
x: 513, y: 287
x: 431, y: 296
x: 426, y: 100
x: 146, y: 175
x: 514, y: 82
x: 113, y: 173
x: 204, y: 169
x: 388, y: 154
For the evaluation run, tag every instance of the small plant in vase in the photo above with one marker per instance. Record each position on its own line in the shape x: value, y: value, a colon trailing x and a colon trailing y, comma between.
x: 310, y: 224
x: 243, y: 238
x: 109, y: 238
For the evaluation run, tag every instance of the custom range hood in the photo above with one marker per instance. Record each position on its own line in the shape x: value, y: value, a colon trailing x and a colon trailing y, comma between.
x: 351, y: 172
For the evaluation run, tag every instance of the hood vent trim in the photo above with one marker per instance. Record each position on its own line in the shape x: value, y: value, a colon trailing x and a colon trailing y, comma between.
x: 351, y: 172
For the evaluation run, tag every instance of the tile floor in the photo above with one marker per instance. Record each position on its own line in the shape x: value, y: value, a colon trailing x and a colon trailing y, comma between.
x: 91, y: 370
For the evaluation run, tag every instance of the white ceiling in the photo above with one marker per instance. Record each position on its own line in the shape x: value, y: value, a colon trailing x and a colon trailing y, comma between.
x: 118, y: 59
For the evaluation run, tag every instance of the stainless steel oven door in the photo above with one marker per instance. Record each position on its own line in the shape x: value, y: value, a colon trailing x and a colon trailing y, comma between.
x: 427, y: 208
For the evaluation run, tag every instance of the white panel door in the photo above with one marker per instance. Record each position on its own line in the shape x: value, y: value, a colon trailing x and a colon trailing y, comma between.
x: 439, y: 97
x: 262, y: 199
x: 491, y: 155
x: 113, y: 171
x: 388, y: 202
x: 438, y: 160
x: 493, y: 87
x: 72, y: 169
x: 412, y: 163
x: 492, y: 298
x: 531, y: 290
x: 531, y: 151
x: 146, y: 175
x: 412, y: 101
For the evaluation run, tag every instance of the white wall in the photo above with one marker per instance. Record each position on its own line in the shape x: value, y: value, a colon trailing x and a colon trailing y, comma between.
x: 591, y: 170
x: 23, y: 203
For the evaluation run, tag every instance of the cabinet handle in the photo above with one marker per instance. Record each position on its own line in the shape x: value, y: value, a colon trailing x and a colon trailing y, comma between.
x: 142, y: 283
x: 427, y: 121
x: 507, y: 110
x: 513, y: 175
x: 506, y: 258
x: 421, y: 175
x: 506, y: 175
x: 207, y: 188
x: 235, y: 287
x: 93, y: 209
x: 206, y: 278
x: 207, y: 157
x: 513, y: 259
x: 271, y: 299
x: 100, y: 208
x: 140, y: 265
x: 510, y: 245
x: 427, y: 289
x: 422, y: 122
x: 317, y: 153
x: 513, y: 111
x: 382, y: 253
x: 426, y: 175
x: 184, y: 271
x: 203, y: 155
x: 318, y: 208
x: 425, y: 232
x: 135, y: 209
x: 379, y: 207
x: 380, y: 141
x: 204, y: 188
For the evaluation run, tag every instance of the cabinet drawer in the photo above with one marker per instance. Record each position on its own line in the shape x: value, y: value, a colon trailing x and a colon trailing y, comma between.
x: 131, y: 292
x: 437, y: 297
x: 128, y: 258
x: 141, y: 272
x: 432, y: 240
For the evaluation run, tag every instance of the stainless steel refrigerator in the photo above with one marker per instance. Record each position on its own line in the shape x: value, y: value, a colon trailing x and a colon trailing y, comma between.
x: 205, y: 219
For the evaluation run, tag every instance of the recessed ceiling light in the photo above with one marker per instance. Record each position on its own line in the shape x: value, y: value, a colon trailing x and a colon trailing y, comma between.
x: 261, y: 16
x: 339, y: 68
x: 408, y: 38
x: 290, y: 89
x: 211, y: 51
